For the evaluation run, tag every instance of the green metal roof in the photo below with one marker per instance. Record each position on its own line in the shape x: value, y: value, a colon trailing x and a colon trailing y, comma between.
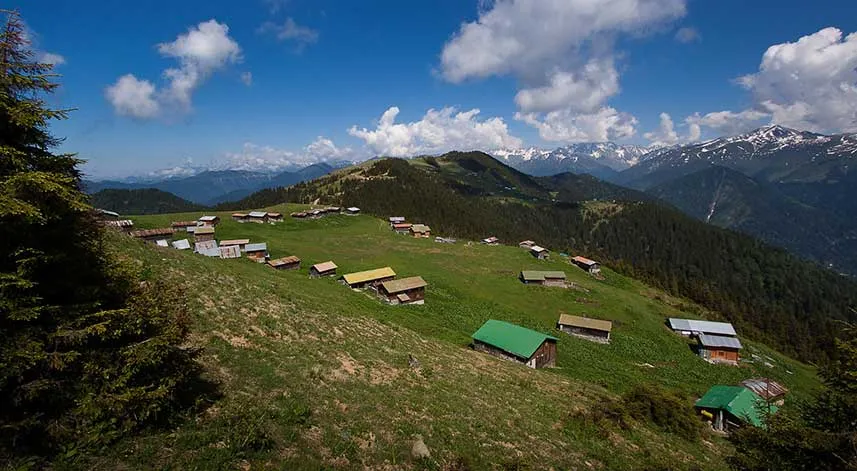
x: 532, y: 275
x: 511, y: 338
x: 737, y: 400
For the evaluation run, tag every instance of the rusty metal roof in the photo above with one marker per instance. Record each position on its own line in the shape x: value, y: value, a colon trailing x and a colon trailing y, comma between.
x: 369, y: 275
x: 584, y: 261
x: 421, y: 228
x: 766, y: 388
x: 239, y: 215
x: 585, y: 322
x: 405, y: 284
x: 284, y: 261
x: 183, y: 223
x: 206, y: 245
x: 275, y: 215
x: 324, y: 266
x: 152, y: 232
x: 224, y: 243
x: 230, y: 251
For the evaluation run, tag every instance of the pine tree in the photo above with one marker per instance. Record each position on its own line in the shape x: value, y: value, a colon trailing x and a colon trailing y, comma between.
x: 88, y: 353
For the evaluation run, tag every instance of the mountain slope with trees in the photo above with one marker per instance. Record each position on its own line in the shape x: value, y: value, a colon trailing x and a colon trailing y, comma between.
x: 144, y: 201
x: 768, y: 293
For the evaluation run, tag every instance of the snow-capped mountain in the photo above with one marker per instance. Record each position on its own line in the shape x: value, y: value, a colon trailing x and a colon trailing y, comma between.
x: 773, y: 153
x: 601, y: 159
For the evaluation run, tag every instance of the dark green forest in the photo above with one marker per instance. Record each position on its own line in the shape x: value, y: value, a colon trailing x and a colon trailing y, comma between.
x: 769, y: 294
x: 143, y: 201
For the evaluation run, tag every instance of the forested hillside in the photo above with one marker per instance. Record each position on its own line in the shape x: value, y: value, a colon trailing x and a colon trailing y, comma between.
x: 771, y: 295
x: 143, y: 201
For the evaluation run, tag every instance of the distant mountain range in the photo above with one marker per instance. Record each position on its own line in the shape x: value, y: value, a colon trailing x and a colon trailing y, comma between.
x: 603, y: 160
x: 216, y: 186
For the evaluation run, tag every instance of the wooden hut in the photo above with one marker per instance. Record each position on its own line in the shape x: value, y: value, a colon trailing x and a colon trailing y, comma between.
x: 491, y: 241
x: 730, y: 407
x: 543, y: 278
x: 259, y: 217
x: 299, y: 215
x: 257, y: 252
x: 420, y: 231
x: 208, y: 221
x: 405, y: 291
x: 183, y: 225
x: 323, y: 269
x: 122, y: 225
x: 208, y: 248
x: 152, y: 235
x: 526, y: 244
x: 769, y: 390
x: 286, y: 263
x: 204, y: 233
x: 591, y: 266
x: 240, y: 243
x: 540, y: 253
x: 333, y: 210
x: 239, y: 217
x: 719, y: 348
x: 396, y: 220
x: 352, y: 211
x: 516, y: 343
x: 230, y: 251
x: 369, y: 278
x: 275, y: 217
x: 402, y: 228
x: 595, y: 330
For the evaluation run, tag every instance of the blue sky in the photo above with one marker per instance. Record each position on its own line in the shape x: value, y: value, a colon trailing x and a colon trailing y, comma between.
x: 268, y: 84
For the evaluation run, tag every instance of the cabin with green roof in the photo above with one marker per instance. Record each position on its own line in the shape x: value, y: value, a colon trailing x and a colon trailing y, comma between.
x: 543, y: 278
x: 731, y: 407
x: 516, y: 343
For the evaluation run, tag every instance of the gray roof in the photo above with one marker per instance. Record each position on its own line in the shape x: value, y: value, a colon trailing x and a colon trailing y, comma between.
x: 705, y: 327
x: 183, y: 244
x: 719, y: 341
x: 258, y: 214
x: 108, y: 213
x: 256, y: 247
x: 213, y: 252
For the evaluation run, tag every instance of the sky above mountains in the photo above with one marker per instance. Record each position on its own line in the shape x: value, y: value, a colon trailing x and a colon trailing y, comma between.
x: 276, y: 83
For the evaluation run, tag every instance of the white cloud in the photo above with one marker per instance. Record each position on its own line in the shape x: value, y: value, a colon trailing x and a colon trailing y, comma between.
x: 133, y: 97
x: 666, y: 136
x: 247, y: 78
x: 729, y: 122
x: 561, y: 52
x: 290, y: 31
x: 437, y: 132
x: 605, y: 124
x: 687, y: 35
x: 201, y: 51
x: 256, y: 157
x: 51, y: 58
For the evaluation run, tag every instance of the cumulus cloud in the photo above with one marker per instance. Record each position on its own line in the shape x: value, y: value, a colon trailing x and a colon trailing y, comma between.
x: 605, y: 124
x: 729, y: 122
x: 290, y: 31
x: 133, y: 97
x: 438, y: 131
x: 255, y: 157
x: 666, y: 135
x: 203, y: 50
x: 247, y: 78
x: 687, y: 35
x: 561, y: 52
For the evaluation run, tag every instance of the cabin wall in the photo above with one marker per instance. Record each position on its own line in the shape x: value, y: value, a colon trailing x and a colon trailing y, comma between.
x: 590, y: 334
x: 485, y: 348
x: 203, y: 237
x: 719, y: 355
x: 545, y: 356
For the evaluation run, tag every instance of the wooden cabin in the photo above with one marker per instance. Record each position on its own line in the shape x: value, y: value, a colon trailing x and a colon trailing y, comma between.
x: 153, y: 235
x: 316, y: 213
x: 396, y: 220
x: 259, y: 217
x: 323, y: 269
x: 183, y: 244
x: 404, y: 291
x: 352, y: 211
x: 299, y: 215
x: 275, y: 217
x: 694, y: 327
x: 595, y: 330
x: 769, y: 390
x: 239, y: 217
x: 728, y: 408
x: 591, y: 266
x: 512, y: 342
x: 543, y: 278
x: 122, y: 225
x: 257, y: 252
x: 208, y: 221
x: 286, y: 263
x: 230, y: 251
x: 491, y: 241
x: 420, y: 231
x: 333, y: 209
x: 526, y: 244
x: 204, y: 233
x: 240, y: 243
x: 540, y: 253
x: 369, y: 278
x: 183, y: 225
x: 719, y: 349
x: 402, y: 228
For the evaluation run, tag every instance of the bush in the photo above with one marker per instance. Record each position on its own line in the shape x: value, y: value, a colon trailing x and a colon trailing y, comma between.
x: 668, y: 410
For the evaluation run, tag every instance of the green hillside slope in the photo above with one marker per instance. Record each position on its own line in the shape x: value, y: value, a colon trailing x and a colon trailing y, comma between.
x: 144, y: 201
x: 770, y: 294
x: 317, y: 375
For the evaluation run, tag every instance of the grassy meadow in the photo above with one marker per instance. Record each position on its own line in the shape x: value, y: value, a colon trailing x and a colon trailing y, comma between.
x: 315, y: 375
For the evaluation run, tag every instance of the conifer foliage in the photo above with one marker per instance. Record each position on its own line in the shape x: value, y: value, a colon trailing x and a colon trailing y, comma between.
x: 88, y: 351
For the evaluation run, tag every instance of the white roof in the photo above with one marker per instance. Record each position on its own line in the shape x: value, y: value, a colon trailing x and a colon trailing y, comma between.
x: 214, y: 252
x: 162, y: 243
x: 258, y: 214
x: 208, y: 218
x: 353, y: 209
x: 397, y: 219
x: 183, y: 244
x: 719, y: 341
x: 536, y: 248
x: 704, y: 327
